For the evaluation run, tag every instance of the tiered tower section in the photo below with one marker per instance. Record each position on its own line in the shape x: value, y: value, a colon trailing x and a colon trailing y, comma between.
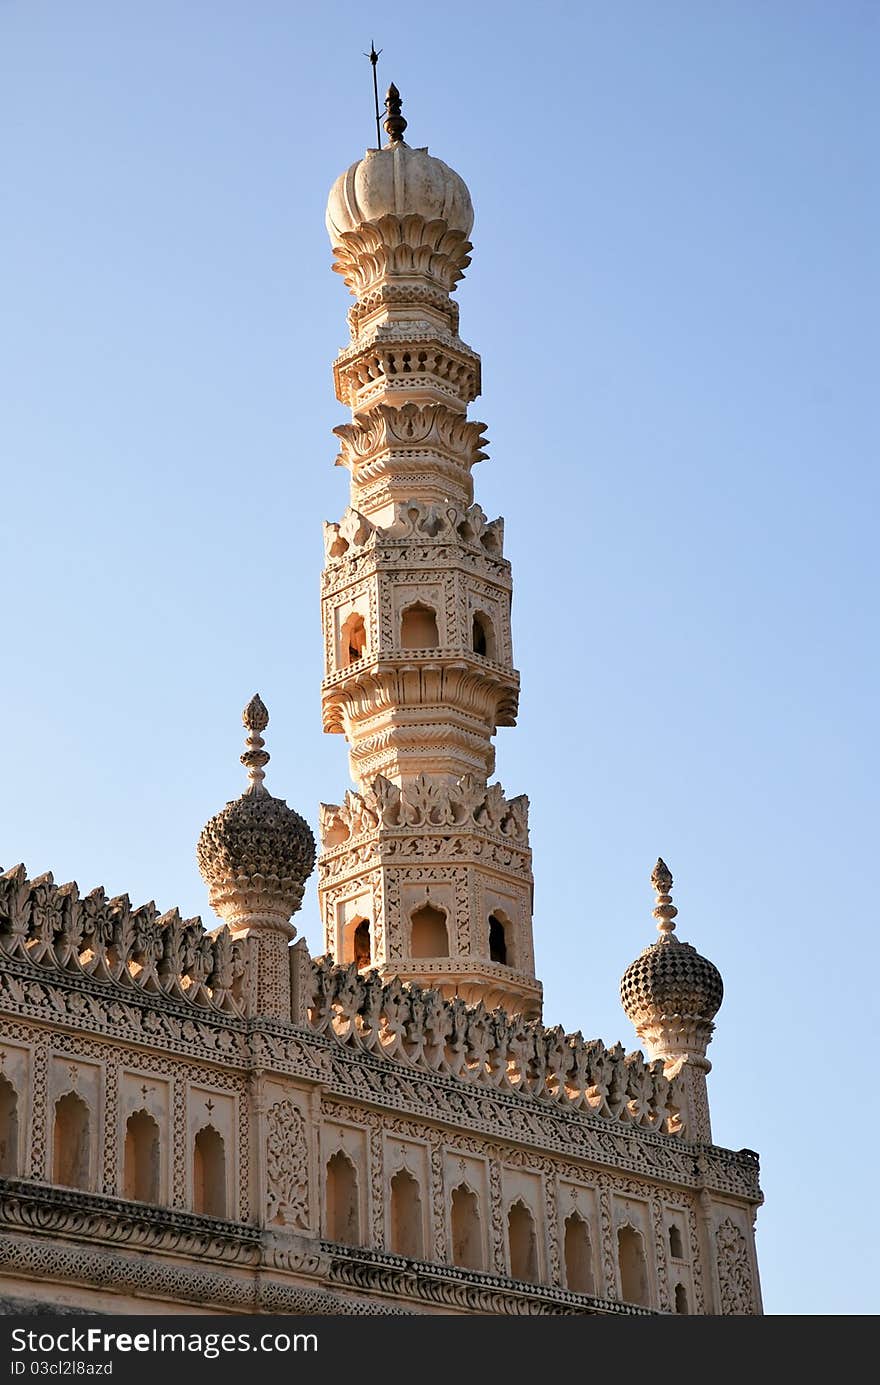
x: 425, y: 872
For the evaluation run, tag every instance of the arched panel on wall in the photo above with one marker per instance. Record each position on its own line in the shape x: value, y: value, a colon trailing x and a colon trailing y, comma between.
x: 8, y: 1129
x: 71, y: 1145
x: 209, y: 1173
x: 633, y: 1266
x: 467, y: 1232
x: 522, y: 1243
x: 352, y: 640
x: 362, y: 947
x: 578, y: 1253
x: 140, y: 1176
x: 483, y: 636
x: 501, y: 945
x: 341, y: 1200
x: 429, y: 936
x: 418, y: 627
x: 681, y: 1299
x: 406, y: 1216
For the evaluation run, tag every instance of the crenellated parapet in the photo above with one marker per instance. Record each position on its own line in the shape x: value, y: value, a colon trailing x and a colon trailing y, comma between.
x: 55, y: 927
x: 489, y: 1048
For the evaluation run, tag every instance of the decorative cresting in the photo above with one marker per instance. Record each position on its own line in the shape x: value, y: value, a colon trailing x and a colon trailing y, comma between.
x: 434, y: 884
x: 255, y: 857
x: 489, y: 1048
x: 672, y: 994
x: 54, y: 928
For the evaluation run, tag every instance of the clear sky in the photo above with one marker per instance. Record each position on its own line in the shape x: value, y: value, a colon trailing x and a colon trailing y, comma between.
x: 674, y: 290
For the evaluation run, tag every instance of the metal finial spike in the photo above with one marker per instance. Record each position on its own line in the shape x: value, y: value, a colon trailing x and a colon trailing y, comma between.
x: 255, y: 718
x: 394, y: 121
x: 664, y: 910
x: 374, y: 58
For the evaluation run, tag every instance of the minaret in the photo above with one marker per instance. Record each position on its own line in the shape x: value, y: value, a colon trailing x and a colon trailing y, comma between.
x: 425, y: 871
x: 672, y: 994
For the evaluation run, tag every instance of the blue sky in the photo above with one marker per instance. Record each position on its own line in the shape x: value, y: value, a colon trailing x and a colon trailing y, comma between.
x: 674, y: 291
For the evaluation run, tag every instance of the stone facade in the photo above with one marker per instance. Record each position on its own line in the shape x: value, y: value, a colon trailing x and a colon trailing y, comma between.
x: 197, y: 1121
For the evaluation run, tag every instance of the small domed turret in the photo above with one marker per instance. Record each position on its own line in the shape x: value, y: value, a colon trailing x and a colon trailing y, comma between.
x: 669, y: 977
x: 672, y: 994
x: 255, y: 857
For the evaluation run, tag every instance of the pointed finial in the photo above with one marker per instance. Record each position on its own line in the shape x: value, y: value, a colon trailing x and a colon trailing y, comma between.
x: 664, y: 909
x: 394, y: 121
x: 255, y: 718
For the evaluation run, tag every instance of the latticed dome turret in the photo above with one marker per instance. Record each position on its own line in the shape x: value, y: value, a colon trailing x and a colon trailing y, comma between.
x: 398, y: 181
x: 256, y: 844
x: 669, y: 977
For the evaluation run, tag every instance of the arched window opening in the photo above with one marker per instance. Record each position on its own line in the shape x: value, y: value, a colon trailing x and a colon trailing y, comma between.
x: 71, y: 1163
x: 497, y: 940
x: 343, y: 1223
x: 8, y: 1129
x: 209, y: 1173
x: 140, y: 1179
x: 406, y: 1216
x: 633, y: 1270
x: 578, y: 1256
x: 418, y: 628
x: 676, y: 1249
x: 429, y: 937
x: 681, y: 1299
x: 523, y: 1243
x: 354, y: 639
x: 361, y: 944
x: 467, y: 1236
x: 483, y: 635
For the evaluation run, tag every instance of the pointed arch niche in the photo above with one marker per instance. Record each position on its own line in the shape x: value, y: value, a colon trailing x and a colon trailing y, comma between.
x: 467, y: 1231
x: 501, y: 941
x: 341, y: 1200
x: 406, y: 1216
x: 632, y: 1265
x: 8, y: 1128
x: 418, y: 627
x: 522, y: 1243
x: 209, y: 1173
x: 578, y: 1253
x: 71, y: 1143
x: 483, y: 635
x: 429, y: 936
x: 140, y: 1175
x: 352, y: 639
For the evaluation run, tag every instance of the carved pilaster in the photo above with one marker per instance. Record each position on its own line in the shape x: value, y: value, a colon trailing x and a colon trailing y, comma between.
x: 660, y: 1257
x: 609, y: 1249
x: 498, y: 1239
x: 551, y: 1218
x: 112, y: 1133
x: 438, y: 1201
x: 179, y: 1141
x: 40, y: 1133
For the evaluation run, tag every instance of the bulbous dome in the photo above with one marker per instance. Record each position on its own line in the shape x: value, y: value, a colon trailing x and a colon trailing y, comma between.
x: 256, y: 845
x: 669, y: 977
x: 256, y: 835
x: 398, y: 180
